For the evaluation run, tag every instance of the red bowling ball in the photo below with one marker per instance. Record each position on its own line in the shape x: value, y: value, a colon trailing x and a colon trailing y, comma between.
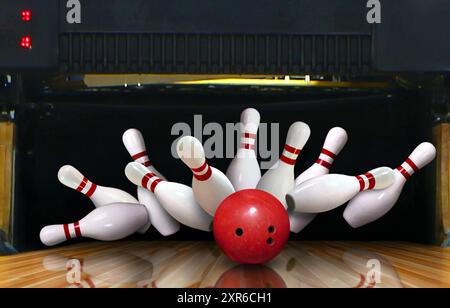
x: 251, y: 226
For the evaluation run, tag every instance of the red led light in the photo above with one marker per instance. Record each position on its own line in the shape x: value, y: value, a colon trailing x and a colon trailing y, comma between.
x: 25, y: 42
x: 26, y: 15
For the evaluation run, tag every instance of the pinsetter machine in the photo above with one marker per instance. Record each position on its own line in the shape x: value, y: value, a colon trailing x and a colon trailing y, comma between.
x: 75, y: 74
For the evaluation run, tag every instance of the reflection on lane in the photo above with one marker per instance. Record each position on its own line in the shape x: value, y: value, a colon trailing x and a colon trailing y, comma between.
x: 321, y: 265
x: 374, y: 270
x: 250, y: 276
x: 201, y: 264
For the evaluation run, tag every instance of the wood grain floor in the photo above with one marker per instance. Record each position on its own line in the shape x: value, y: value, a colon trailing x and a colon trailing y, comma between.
x: 201, y: 264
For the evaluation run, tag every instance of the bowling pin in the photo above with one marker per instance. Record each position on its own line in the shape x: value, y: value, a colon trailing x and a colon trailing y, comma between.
x: 369, y: 206
x: 107, y: 223
x: 99, y: 195
x: 243, y: 171
x: 177, y: 199
x: 326, y: 192
x: 334, y: 142
x: 280, y: 179
x: 210, y: 186
x: 161, y: 220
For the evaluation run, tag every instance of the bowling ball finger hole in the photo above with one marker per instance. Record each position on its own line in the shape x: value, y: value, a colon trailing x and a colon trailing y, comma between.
x: 271, y: 229
x: 239, y: 232
x: 269, y: 241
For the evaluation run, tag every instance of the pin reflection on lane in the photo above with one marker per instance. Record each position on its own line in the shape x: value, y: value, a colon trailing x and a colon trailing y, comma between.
x: 105, y: 269
x: 201, y: 264
x: 310, y: 265
x: 132, y: 267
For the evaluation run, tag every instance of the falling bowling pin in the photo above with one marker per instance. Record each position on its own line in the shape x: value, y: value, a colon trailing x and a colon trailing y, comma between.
x: 326, y: 192
x: 209, y: 184
x: 99, y: 195
x: 177, y: 199
x: 280, y: 179
x: 243, y: 171
x: 369, y: 206
x: 161, y: 220
x: 334, y: 142
x: 107, y: 223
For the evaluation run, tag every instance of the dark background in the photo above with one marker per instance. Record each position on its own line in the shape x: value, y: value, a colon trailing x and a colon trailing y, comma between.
x: 85, y: 130
x: 202, y: 36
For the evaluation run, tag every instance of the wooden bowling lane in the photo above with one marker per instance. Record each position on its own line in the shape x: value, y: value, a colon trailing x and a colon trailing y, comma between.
x: 201, y: 264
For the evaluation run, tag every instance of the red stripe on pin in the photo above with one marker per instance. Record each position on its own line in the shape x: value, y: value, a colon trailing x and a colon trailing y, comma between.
x: 292, y: 150
x: 329, y: 153
x: 403, y: 172
x: 154, y: 183
x: 66, y: 231
x: 76, y: 226
x: 201, y: 168
x: 323, y: 163
x: 82, y: 184
x: 146, y: 178
x: 287, y: 160
x: 91, y: 190
x: 412, y: 164
x: 147, y: 163
x: 249, y: 135
x: 205, y: 176
x: 362, y: 184
x: 247, y: 146
x: 139, y: 155
x: 371, y: 179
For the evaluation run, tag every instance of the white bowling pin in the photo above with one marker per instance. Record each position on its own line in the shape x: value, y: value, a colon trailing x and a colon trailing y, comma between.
x: 369, y: 206
x: 107, y: 223
x: 334, y: 142
x: 135, y: 145
x: 177, y: 199
x: 326, y: 192
x: 161, y: 220
x: 99, y: 195
x: 210, y: 186
x: 243, y: 171
x: 280, y: 179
